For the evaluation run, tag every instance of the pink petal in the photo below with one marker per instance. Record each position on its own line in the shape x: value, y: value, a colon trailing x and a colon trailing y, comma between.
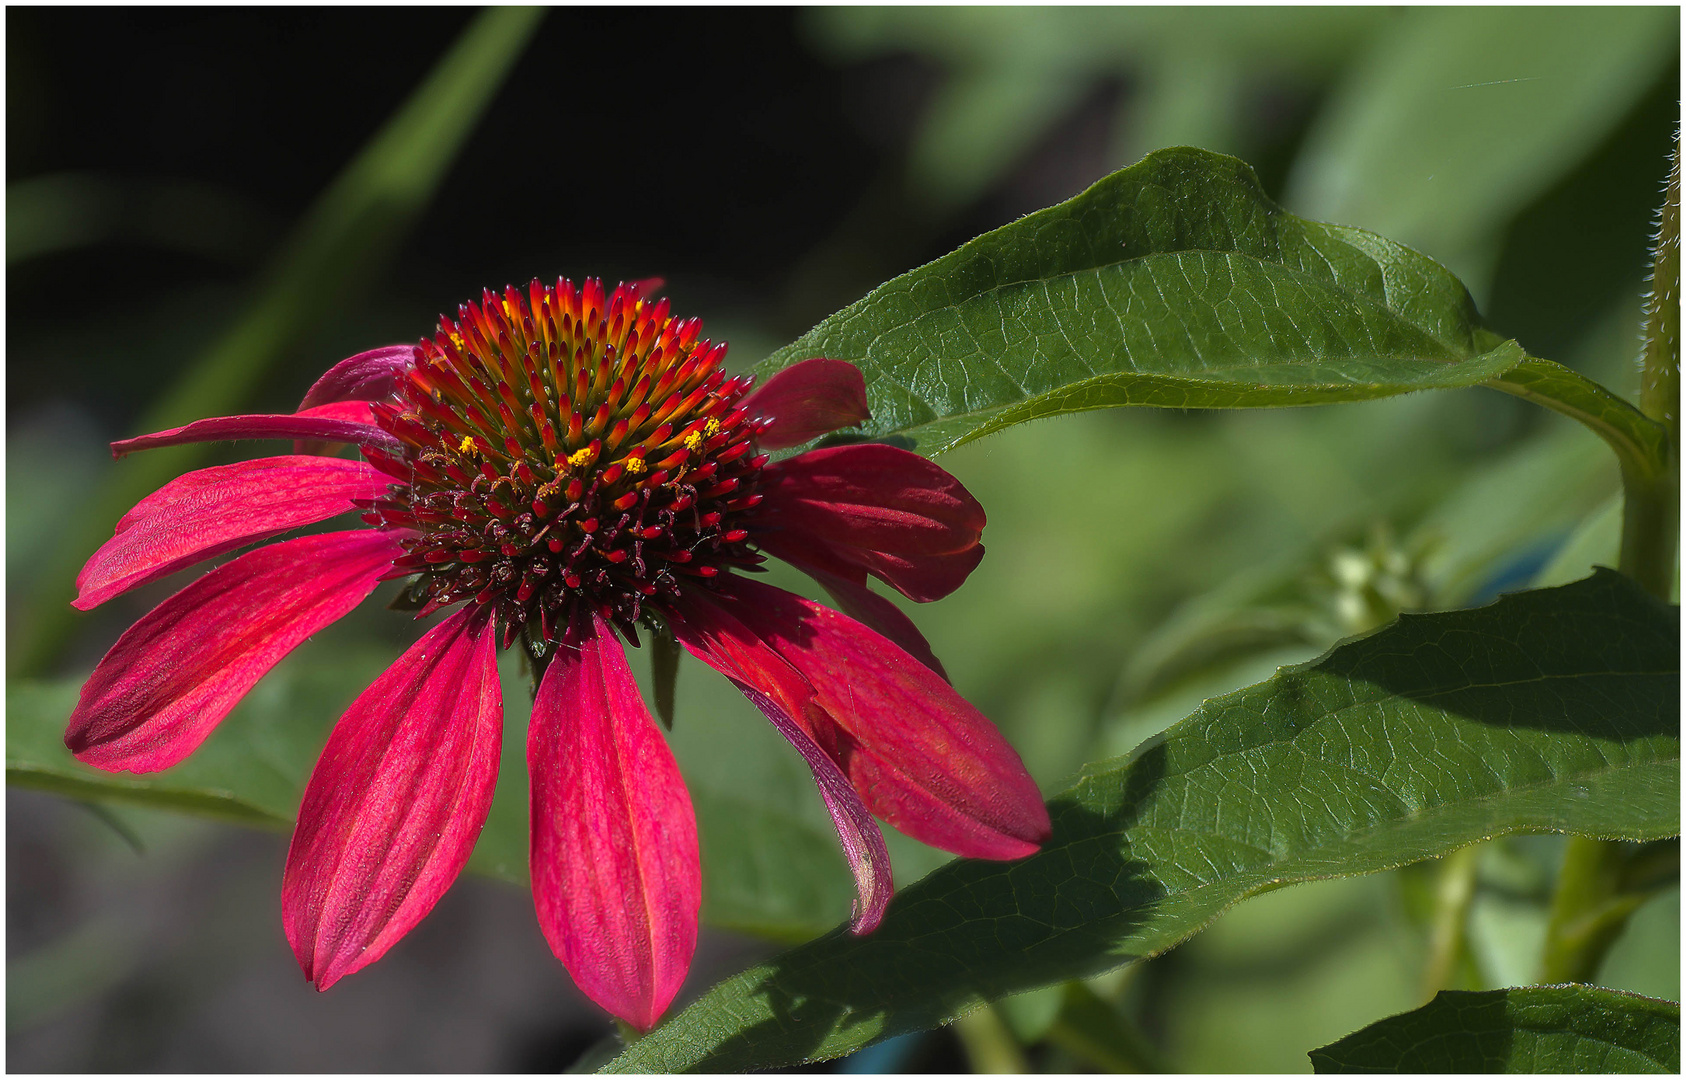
x: 174, y: 675
x: 785, y: 697
x: 368, y: 376
x: 214, y: 510
x: 878, y: 507
x: 809, y: 399
x: 870, y: 609
x: 264, y: 426
x: 923, y: 758
x: 397, y: 800
x: 616, y: 879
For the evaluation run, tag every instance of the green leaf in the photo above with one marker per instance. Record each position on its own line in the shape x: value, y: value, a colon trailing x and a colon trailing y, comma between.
x: 1528, y: 1029
x: 1554, y: 710
x: 1174, y: 282
x: 332, y: 253
x: 1460, y: 117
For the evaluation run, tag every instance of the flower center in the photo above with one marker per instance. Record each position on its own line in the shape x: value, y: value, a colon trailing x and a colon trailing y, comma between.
x: 570, y: 452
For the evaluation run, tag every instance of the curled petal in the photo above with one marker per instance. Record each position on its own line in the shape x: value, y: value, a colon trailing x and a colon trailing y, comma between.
x: 397, y: 800
x: 880, y: 508
x: 785, y: 698
x: 211, y: 511
x: 368, y: 376
x: 616, y: 879
x: 920, y: 755
x: 328, y: 428
x: 809, y: 399
x: 352, y: 412
x: 174, y: 675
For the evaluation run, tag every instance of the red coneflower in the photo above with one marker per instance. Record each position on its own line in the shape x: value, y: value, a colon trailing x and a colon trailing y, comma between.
x: 567, y: 465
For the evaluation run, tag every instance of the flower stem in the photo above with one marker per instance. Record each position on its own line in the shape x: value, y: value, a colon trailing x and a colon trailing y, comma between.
x: 989, y: 1043
x: 1094, y: 1029
x: 1454, y: 889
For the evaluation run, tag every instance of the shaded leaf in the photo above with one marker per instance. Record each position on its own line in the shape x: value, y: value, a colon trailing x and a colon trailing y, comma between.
x: 1554, y: 710
x: 1528, y: 1029
x: 1175, y: 283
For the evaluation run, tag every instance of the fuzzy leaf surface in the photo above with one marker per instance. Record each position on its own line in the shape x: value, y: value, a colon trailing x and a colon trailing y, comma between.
x: 1175, y: 282
x: 1553, y: 710
x: 1527, y: 1029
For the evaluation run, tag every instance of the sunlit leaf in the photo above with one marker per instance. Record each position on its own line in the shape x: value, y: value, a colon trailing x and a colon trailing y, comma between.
x: 1528, y: 1029
x: 1554, y: 710
x: 1174, y: 283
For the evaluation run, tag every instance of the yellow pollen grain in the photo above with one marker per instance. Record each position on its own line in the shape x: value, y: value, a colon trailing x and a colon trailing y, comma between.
x: 633, y: 465
x: 693, y: 442
x: 467, y: 445
x: 712, y: 428
x: 580, y: 458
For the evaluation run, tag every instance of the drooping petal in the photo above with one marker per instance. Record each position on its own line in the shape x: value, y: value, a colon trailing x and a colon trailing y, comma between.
x: 328, y: 428
x: 368, y: 376
x: 616, y: 880
x: 809, y: 399
x: 397, y: 800
x: 713, y: 636
x: 866, y: 606
x: 888, y: 511
x: 208, y: 512
x: 352, y: 412
x: 174, y: 675
x: 923, y: 758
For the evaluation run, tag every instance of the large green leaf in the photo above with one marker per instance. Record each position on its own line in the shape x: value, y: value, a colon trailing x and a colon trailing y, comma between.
x: 1528, y: 1029
x: 1174, y: 282
x: 1554, y: 710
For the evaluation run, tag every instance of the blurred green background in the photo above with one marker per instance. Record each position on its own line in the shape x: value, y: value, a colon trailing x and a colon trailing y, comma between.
x: 207, y: 208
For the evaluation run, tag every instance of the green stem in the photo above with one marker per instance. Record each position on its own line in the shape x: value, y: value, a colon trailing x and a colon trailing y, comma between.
x: 989, y: 1045
x: 1092, y: 1028
x: 1454, y: 890
x: 1588, y: 910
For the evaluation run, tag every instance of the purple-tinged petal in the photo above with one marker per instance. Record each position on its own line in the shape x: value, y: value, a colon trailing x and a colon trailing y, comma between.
x: 807, y: 400
x: 368, y: 376
x: 922, y: 757
x: 329, y: 428
x: 174, y: 675
x: 211, y: 511
x: 397, y: 800
x: 785, y: 698
x: 616, y: 879
x: 888, y: 511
